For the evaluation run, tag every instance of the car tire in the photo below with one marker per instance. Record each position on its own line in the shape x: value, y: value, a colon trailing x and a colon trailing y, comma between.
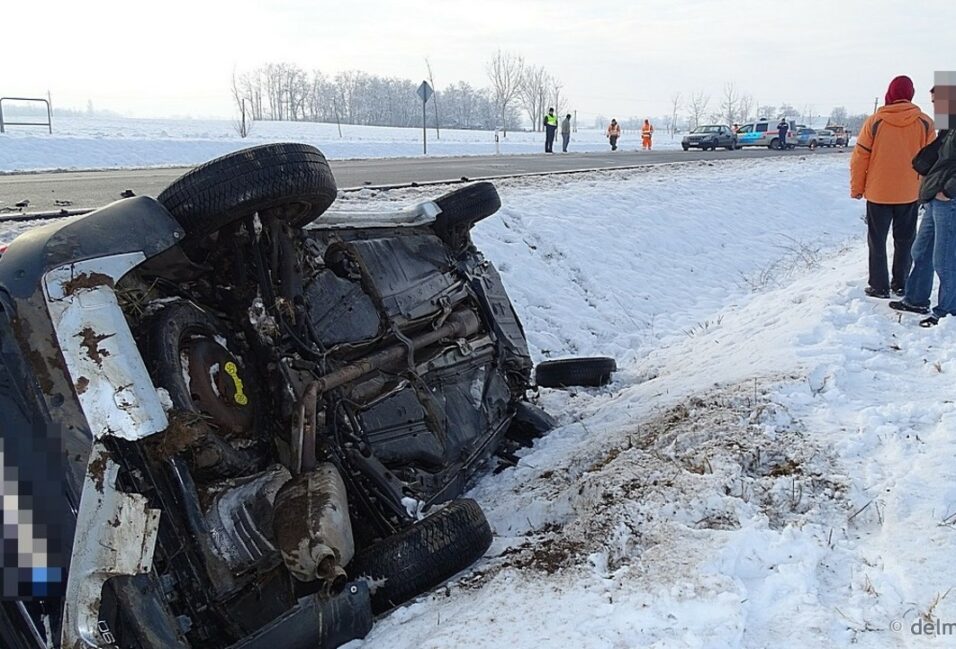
x: 774, y: 144
x: 813, y: 145
x: 685, y: 147
x: 461, y: 209
x: 424, y: 555
x: 292, y: 180
x: 170, y: 335
x: 566, y: 372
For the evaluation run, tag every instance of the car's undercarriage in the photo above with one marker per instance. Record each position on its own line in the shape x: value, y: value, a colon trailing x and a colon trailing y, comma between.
x: 269, y: 410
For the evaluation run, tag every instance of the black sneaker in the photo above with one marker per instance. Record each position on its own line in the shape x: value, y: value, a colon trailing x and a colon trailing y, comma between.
x: 931, y: 321
x: 899, y: 292
x: 903, y: 305
x: 872, y: 292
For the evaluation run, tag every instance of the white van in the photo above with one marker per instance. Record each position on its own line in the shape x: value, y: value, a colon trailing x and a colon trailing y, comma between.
x: 764, y: 133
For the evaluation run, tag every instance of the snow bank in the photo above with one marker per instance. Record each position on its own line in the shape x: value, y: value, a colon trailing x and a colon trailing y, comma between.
x: 773, y: 465
x: 103, y: 143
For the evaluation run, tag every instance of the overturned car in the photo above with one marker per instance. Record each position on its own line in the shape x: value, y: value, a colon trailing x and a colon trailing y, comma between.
x: 236, y: 424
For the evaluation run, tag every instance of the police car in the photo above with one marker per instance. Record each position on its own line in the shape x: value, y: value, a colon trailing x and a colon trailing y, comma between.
x: 764, y: 133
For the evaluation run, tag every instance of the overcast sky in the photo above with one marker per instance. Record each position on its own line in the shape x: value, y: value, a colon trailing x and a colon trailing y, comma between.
x: 175, y: 57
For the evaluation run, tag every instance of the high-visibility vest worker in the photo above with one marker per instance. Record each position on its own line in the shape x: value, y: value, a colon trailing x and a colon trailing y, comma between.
x: 647, y: 131
x: 551, y: 120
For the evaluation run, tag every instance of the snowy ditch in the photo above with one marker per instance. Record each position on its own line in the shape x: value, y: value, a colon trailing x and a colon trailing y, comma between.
x: 772, y: 465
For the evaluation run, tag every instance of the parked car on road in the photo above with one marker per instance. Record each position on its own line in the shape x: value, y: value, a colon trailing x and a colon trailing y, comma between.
x: 841, y: 134
x: 764, y: 133
x: 225, y: 429
x: 807, y: 137
x: 710, y: 137
x: 826, y: 137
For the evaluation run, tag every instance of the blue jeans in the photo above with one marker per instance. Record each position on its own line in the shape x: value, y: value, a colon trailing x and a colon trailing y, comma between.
x: 919, y: 284
x: 944, y: 256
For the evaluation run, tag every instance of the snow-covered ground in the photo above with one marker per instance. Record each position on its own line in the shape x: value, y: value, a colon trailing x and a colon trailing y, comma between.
x: 106, y: 143
x: 772, y: 465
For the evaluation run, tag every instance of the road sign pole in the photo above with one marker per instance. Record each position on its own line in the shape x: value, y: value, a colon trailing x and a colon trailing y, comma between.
x: 425, y: 92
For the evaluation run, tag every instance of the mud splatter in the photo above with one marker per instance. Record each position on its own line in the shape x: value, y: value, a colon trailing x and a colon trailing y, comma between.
x: 86, y: 280
x: 90, y: 340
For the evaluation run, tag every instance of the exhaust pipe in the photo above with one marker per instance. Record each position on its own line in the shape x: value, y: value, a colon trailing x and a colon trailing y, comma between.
x: 460, y: 324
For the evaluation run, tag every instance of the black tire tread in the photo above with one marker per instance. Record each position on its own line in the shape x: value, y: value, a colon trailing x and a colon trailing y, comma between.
x: 222, y: 190
x: 424, y: 555
x: 472, y: 202
x: 584, y: 372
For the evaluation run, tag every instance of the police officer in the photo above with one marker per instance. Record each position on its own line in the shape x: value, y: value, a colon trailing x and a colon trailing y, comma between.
x: 550, y: 128
x: 782, y: 129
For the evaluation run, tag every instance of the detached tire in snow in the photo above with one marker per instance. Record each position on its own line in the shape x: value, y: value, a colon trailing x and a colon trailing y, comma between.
x: 294, y: 180
x: 461, y: 209
x: 585, y: 372
x: 423, y: 556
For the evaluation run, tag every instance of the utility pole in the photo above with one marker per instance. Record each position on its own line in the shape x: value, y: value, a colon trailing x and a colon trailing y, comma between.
x: 876, y: 102
x: 575, y: 121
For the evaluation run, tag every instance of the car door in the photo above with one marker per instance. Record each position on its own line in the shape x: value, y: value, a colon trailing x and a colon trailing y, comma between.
x: 746, y: 135
x: 723, y: 137
x: 763, y: 133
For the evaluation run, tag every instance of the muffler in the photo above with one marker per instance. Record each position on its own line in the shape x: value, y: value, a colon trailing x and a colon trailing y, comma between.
x: 312, y: 527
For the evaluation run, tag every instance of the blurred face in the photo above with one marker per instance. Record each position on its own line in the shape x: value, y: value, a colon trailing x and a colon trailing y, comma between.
x: 944, y: 106
x: 944, y: 99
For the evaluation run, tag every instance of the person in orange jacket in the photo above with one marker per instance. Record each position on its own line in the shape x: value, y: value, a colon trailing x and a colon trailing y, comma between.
x: 613, y: 133
x: 881, y: 171
x: 647, y: 132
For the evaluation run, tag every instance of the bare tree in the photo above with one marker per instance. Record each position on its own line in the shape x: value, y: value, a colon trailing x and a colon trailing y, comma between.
x: 505, y: 72
x: 675, y: 106
x: 556, y: 87
x: 787, y: 111
x: 838, y: 116
x: 243, y: 124
x: 532, y: 92
x: 431, y: 80
x: 745, y: 108
x: 698, y: 106
x: 767, y: 112
x: 730, y: 104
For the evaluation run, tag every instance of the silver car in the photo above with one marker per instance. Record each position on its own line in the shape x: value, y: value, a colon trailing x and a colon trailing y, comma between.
x: 826, y: 137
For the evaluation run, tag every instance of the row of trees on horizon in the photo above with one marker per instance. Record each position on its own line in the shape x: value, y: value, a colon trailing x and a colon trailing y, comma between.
x: 517, y: 91
x: 285, y: 91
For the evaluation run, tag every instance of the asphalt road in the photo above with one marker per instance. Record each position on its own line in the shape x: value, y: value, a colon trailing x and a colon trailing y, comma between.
x: 88, y: 189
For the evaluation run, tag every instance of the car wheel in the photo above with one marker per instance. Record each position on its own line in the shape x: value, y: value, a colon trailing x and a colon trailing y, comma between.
x: 586, y: 372
x: 424, y: 555
x: 461, y: 209
x: 774, y: 144
x: 684, y: 146
x: 293, y: 181
x: 813, y: 144
x: 185, y: 341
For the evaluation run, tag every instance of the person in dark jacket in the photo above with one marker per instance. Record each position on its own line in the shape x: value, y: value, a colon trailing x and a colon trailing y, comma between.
x: 550, y: 127
x: 782, y: 129
x: 919, y: 283
x: 938, y: 191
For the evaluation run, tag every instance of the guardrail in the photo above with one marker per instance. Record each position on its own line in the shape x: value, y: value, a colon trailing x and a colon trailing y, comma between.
x: 49, y: 114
